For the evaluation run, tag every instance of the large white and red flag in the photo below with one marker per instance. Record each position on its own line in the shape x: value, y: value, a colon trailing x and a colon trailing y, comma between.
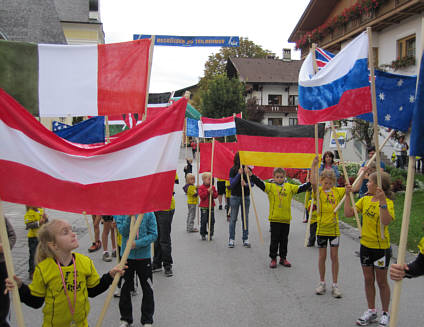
x: 133, y: 174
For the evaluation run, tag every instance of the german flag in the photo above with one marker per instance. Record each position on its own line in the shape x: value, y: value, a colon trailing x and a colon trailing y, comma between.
x: 277, y: 146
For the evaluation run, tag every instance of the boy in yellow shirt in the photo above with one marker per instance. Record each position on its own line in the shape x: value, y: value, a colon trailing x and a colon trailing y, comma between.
x: 280, y: 194
x: 192, y: 201
x: 34, y: 218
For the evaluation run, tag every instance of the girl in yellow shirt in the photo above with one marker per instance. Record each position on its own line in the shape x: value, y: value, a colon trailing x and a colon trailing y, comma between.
x: 327, y: 224
x: 377, y: 209
x: 63, y: 279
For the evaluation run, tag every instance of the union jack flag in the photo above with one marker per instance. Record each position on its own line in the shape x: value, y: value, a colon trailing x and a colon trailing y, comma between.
x: 322, y: 57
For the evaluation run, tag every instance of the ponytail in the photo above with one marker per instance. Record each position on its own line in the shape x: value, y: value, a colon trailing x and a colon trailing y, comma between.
x: 385, y: 183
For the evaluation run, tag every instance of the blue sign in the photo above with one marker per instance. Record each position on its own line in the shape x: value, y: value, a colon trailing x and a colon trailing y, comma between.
x: 192, y: 41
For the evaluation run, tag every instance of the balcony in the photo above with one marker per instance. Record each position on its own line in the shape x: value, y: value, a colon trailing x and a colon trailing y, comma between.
x: 277, y: 109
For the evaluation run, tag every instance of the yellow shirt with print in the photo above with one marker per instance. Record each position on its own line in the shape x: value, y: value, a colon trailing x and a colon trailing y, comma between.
x: 371, y: 235
x: 192, y: 197
x: 47, y: 283
x: 280, y: 197
x: 32, y: 216
x: 227, y: 189
x: 327, y: 220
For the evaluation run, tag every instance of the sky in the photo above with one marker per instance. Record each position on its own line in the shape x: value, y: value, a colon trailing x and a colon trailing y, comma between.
x: 267, y: 23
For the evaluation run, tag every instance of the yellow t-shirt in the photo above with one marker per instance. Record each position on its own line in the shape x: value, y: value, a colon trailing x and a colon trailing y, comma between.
x: 371, y: 235
x: 227, y: 189
x: 172, y: 207
x: 47, y: 283
x: 32, y: 216
x: 313, y: 218
x: 280, y: 201
x: 328, y: 221
x: 307, y: 197
x: 118, y: 238
x: 421, y: 246
x: 191, y: 197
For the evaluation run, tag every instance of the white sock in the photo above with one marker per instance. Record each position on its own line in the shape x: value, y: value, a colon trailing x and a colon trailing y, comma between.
x: 334, y: 284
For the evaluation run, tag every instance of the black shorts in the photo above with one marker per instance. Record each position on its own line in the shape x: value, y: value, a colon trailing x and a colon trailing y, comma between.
x: 221, y: 187
x: 377, y: 258
x: 323, y: 240
x: 107, y: 218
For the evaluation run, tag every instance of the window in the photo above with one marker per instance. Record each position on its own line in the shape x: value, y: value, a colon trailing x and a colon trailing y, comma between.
x: 406, y: 47
x: 274, y: 99
x: 292, y: 121
x: 293, y: 100
x: 275, y: 121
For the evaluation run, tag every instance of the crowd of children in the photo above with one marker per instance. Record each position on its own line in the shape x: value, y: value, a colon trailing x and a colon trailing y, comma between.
x: 53, y: 264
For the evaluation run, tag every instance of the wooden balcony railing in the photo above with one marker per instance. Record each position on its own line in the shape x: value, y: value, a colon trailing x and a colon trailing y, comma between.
x: 277, y: 108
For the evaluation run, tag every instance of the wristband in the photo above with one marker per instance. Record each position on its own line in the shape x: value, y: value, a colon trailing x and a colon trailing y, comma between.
x: 384, y: 206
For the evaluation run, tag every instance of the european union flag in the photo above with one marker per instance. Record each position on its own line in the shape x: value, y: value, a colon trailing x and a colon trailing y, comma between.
x: 395, y: 100
x: 87, y: 132
x: 417, y: 131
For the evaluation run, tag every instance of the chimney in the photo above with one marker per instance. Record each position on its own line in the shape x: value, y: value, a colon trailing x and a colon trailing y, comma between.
x: 287, y: 54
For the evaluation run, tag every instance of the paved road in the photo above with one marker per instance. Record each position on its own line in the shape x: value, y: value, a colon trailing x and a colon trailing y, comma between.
x: 217, y: 286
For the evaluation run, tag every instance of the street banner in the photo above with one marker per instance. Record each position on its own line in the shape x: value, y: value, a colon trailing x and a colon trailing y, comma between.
x: 192, y: 41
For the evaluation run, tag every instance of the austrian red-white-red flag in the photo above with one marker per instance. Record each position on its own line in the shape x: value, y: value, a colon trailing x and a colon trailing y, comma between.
x: 133, y: 174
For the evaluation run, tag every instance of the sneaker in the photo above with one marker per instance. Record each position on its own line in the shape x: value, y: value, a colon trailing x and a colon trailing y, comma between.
x: 231, y: 243
x: 335, y: 291
x: 285, y: 263
x: 114, y: 253
x: 117, y: 292
x: 95, y: 246
x: 305, y: 221
x: 246, y: 244
x: 356, y: 253
x: 156, y: 268
x: 273, y: 263
x: 220, y: 207
x: 203, y: 237
x: 168, y: 271
x: 124, y: 323
x: 310, y: 245
x: 147, y: 325
x: 384, y: 320
x: 194, y: 230
x: 320, y: 290
x: 107, y: 257
x: 367, y: 318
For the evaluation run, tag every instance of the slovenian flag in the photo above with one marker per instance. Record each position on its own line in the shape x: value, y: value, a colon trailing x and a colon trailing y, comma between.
x: 277, y: 146
x: 76, y: 80
x: 341, y: 89
x: 213, y: 127
x: 134, y: 174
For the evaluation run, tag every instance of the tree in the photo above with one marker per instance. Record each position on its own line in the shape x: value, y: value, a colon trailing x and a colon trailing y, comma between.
x: 222, y: 98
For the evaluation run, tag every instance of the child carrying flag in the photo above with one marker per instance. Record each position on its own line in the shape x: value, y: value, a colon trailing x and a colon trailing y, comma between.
x: 327, y: 224
x: 280, y: 194
x: 192, y: 201
x: 204, y: 190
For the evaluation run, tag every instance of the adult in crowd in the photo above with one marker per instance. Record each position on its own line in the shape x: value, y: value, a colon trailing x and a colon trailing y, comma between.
x: 328, y: 163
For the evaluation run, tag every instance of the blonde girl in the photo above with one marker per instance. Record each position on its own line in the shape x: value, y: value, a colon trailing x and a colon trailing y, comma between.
x: 327, y: 225
x: 376, y: 208
x: 59, y: 272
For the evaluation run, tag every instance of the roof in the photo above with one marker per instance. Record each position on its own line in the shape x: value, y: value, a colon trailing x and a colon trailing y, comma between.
x: 315, y: 14
x: 31, y: 21
x: 264, y: 70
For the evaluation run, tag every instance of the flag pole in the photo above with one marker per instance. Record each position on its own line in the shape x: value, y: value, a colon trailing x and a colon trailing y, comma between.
x: 243, y: 202
x: 186, y: 137
x: 107, y: 129
x: 198, y: 168
x: 149, y: 71
x: 210, y: 194
x: 314, y: 62
x: 4, y: 240
x: 352, y: 200
x: 131, y: 238
x: 369, y: 162
x: 308, y: 225
x: 90, y: 232
x: 374, y: 115
x: 254, y: 209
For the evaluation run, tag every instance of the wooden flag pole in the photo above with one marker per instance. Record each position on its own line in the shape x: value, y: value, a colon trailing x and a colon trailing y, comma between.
x: 358, y: 178
x: 198, y: 181
x: 210, y: 194
x: 308, y: 225
x: 149, y: 71
x: 90, y: 232
x: 374, y: 115
x: 256, y: 213
x: 186, y: 137
x: 118, y: 255
x: 403, y: 239
x: 131, y: 238
x: 314, y: 62
x: 352, y: 200
x: 4, y: 240
x: 107, y: 130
